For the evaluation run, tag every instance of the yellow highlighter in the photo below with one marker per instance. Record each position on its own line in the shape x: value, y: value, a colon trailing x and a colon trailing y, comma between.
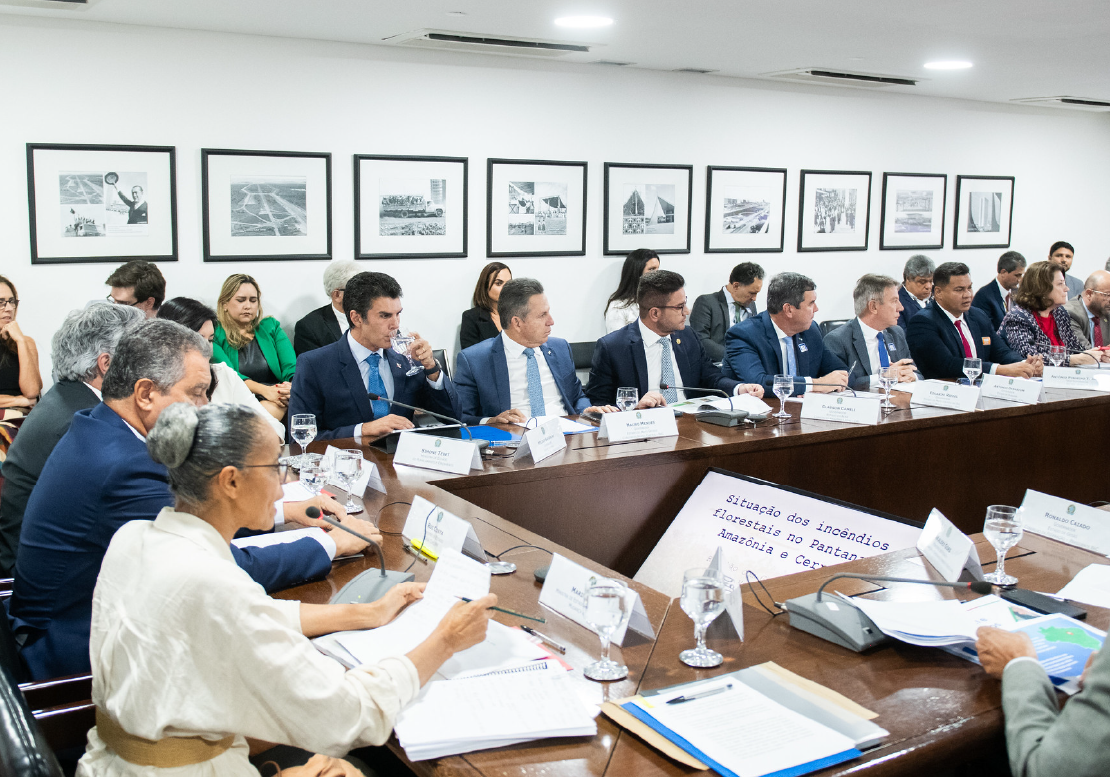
x: 418, y: 545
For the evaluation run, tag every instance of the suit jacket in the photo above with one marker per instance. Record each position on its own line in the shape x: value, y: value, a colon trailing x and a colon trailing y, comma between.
x: 26, y: 457
x: 315, y: 330
x: 328, y: 384
x: 910, y: 308
x: 272, y: 341
x: 709, y: 318
x: 989, y: 300
x: 477, y: 325
x: 619, y: 360
x: 1027, y: 338
x: 98, y: 478
x: 849, y: 346
x: 482, y: 379
x: 1080, y: 327
x: 753, y: 355
x: 1042, y: 740
x: 1075, y: 286
x: 937, y: 350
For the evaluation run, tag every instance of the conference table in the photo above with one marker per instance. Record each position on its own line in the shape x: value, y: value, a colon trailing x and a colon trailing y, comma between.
x: 604, y: 506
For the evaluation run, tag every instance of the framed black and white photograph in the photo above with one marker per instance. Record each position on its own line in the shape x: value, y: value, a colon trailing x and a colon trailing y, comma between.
x: 102, y: 203
x: 913, y: 211
x: 744, y: 209
x: 647, y: 206
x: 834, y: 210
x: 535, y: 208
x: 410, y: 207
x: 984, y: 211
x: 260, y: 205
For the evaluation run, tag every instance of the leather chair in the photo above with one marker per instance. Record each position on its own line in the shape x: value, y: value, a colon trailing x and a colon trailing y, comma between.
x: 583, y: 355
x: 24, y: 750
x: 828, y: 326
x: 440, y: 355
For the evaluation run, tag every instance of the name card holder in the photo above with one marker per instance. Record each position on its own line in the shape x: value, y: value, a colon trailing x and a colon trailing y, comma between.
x: 1090, y: 379
x: 734, y: 601
x: 948, y: 549
x: 1027, y: 392
x: 638, y: 425
x: 564, y: 591
x: 843, y: 409
x: 437, y: 530
x: 1071, y: 523
x: 543, y: 441
x: 938, y: 393
x: 442, y: 454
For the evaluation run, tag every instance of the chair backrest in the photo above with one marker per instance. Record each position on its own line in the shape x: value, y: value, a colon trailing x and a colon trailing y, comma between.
x: 23, y: 746
x: 583, y: 354
x: 440, y: 355
x: 828, y: 326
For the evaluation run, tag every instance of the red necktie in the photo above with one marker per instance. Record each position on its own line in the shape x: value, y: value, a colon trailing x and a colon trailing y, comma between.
x: 968, y: 353
x: 1009, y: 301
x: 1096, y: 329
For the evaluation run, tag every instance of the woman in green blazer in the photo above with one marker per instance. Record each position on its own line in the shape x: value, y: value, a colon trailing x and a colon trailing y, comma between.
x: 253, y: 346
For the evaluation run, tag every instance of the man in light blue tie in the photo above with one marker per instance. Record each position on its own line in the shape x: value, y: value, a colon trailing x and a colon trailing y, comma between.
x: 525, y: 373
x: 873, y: 340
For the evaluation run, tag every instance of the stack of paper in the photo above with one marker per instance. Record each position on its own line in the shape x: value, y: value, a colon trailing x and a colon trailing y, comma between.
x: 745, y: 402
x: 568, y: 426
x: 538, y: 701
x: 1090, y: 586
x: 930, y: 624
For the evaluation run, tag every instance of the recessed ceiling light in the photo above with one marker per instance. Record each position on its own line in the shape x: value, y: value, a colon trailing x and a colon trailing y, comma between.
x: 947, y: 65
x: 584, y: 21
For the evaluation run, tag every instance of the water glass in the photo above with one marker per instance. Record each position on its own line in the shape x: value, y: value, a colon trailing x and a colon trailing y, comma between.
x: 887, y: 378
x: 302, y: 428
x: 973, y: 368
x: 783, y: 387
x: 313, y: 478
x: 401, y: 341
x: 606, y: 611
x: 348, y: 463
x: 627, y: 398
x: 1058, y: 355
x: 1003, y: 530
x: 703, y: 599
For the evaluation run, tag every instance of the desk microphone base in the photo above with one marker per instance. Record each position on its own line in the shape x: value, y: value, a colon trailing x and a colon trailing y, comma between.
x: 370, y: 586
x: 834, y: 620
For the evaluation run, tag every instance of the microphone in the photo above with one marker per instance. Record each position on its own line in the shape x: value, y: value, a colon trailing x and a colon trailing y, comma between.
x: 372, y: 587
x: 665, y: 387
x: 843, y: 624
x: 378, y: 398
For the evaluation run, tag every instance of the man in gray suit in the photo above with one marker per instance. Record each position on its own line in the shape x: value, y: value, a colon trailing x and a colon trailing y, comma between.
x: 714, y: 313
x: 873, y: 338
x: 1042, y: 741
x: 1090, y: 311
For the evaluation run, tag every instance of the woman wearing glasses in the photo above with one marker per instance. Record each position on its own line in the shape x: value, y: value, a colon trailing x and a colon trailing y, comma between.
x: 20, y: 381
x: 193, y: 687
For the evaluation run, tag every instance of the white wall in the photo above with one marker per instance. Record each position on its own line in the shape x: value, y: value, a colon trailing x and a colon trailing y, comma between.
x: 90, y: 83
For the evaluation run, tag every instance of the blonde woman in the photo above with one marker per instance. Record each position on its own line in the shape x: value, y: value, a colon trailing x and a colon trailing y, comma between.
x: 253, y: 345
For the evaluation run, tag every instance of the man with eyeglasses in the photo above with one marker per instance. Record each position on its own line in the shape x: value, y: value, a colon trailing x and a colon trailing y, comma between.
x: 138, y: 284
x: 658, y: 353
x: 1090, y: 311
x: 326, y: 325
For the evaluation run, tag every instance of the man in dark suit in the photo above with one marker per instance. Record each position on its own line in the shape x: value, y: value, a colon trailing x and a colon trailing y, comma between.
x: 657, y: 349
x: 325, y: 325
x: 784, y: 340
x: 949, y: 330
x: 332, y: 382
x: 1063, y: 254
x: 524, y: 373
x: 873, y: 339
x: 714, y: 313
x: 995, y: 299
x: 917, y: 285
x: 1089, y: 313
x: 81, y: 349
x: 100, y: 476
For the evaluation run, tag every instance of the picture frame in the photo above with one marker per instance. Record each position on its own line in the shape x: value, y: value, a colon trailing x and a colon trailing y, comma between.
x: 913, y: 211
x: 265, y: 205
x: 745, y: 209
x: 409, y: 207
x: 834, y: 210
x: 517, y: 226
x: 984, y: 211
x: 121, y: 199
x: 647, y: 206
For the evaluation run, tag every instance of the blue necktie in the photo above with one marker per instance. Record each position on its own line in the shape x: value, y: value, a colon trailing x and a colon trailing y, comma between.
x: 791, y: 364
x: 666, y: 371
x: 535, y: 388
x: 884, y: 357
x: 375, y: 385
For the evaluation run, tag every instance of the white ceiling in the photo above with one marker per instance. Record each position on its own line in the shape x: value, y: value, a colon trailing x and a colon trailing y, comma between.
x: 1021, y: 48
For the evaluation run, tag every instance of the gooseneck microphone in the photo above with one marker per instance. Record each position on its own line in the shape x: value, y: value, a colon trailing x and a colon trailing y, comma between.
x: 378, y: 398
x: 1098, y: 363
x: 665, y: 387
x: 975, y: 586
x: 364, y: 588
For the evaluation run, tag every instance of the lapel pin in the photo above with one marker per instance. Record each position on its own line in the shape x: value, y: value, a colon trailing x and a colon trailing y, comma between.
x: 678, y: 341
x: 398, y: 365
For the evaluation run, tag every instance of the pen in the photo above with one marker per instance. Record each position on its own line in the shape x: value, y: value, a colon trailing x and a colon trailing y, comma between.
x: 509, y: 612
x: 702, y: 695
x: 545, y: 639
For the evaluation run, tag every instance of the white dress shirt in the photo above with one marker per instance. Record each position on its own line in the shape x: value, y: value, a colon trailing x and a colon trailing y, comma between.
x: 341, y: 317
x: 871, y: 337
x: 963, y: 327
x: 745, y: 314
x: 653, y: 352
x: 920, y: 302
x: 782, y: 352
x: 619, y: 315
x: 361, y: 354
x: 517, y: 364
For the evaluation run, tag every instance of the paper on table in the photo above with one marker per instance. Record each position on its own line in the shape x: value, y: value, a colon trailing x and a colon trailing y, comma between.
x: 1090, y: 586
x: 568, y: 426
x: 920, y: 623
x: 503, y: 648
x: 276, y: 537
x: 753, y: 405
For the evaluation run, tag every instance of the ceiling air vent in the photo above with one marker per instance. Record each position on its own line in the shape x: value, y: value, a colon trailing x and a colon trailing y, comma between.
x: 697, y: 70
x: 612, y: 63
x: 68, y: 5
x: 816, y: 75
x: 1074, y: 103
x: 444, y: 40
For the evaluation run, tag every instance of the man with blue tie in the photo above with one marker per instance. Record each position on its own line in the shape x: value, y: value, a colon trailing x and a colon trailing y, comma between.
x: 333, y: 382
x: 995, y: 299
x: 873, y: 339
x: 525, y: 373
x: 950, y: 330
x: 784, y: 340
x: 917, y: 286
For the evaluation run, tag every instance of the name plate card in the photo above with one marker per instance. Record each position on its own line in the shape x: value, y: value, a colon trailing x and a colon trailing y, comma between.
x: 1027, y: 392
x: 368, y: 476
x: 1069, y: 522
x: 564, y: 591
x: 734, y: 602
x: 638, y: 425
x: 847, y: 410
x: 938, y: 393
x: 1077, y: 378
x: 438, y: 530
x: 948, y: 549
x: 545, y: 440
x: 439, y: 453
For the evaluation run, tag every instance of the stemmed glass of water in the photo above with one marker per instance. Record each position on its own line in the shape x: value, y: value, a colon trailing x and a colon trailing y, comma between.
x: 627, y: 398
x: 703, y: 599
x: 1057, y: 354
x: 302, y: 428
x: 1003, y: 530
x: 314, y: 475
x: 973, y: 368
x: 348, y: 463
x: 606, y: 611
x: 783, y: 387
x: 401, y: 341
x: 887, y: 378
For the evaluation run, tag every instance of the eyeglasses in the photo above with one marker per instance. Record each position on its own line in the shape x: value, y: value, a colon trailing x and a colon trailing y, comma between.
x: 1093, y: 291
x: 11, y: 302
x: 115, y: 301
x: 282, y: 469
x: 679, y: 308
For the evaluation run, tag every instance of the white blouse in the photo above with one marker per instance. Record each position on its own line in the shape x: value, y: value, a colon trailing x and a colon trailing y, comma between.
x: 619, y: 315
x: 231, y: 390
x: 184, y: 643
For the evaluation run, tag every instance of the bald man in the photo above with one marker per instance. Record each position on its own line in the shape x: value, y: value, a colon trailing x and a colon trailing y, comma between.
x: 1090, y: 311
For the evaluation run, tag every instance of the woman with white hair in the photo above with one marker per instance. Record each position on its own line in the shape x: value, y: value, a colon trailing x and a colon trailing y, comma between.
x: 325, y: 325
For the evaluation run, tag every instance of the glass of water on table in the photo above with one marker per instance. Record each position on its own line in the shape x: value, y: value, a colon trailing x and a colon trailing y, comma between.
x: 973, y: 368
x: 627, y: 398
x: 703, y: 599
x: 606, y: 612
x: 302, y: 428
x: 783, y: 387
x: 1002, y: 529
x: 348, y: 463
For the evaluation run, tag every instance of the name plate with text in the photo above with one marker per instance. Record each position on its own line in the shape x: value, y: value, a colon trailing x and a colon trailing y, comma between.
x: 439, y: 453
x: 437, y: 530
x: 1072, y: 523
x: 1027, y: 392
x: 948, y: 549
x: 638, y: 425
x: 938, y: 393
x: 564, y: 591
x: 1077, y: 378
x: 543, y: 441
x: 845, y: 409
